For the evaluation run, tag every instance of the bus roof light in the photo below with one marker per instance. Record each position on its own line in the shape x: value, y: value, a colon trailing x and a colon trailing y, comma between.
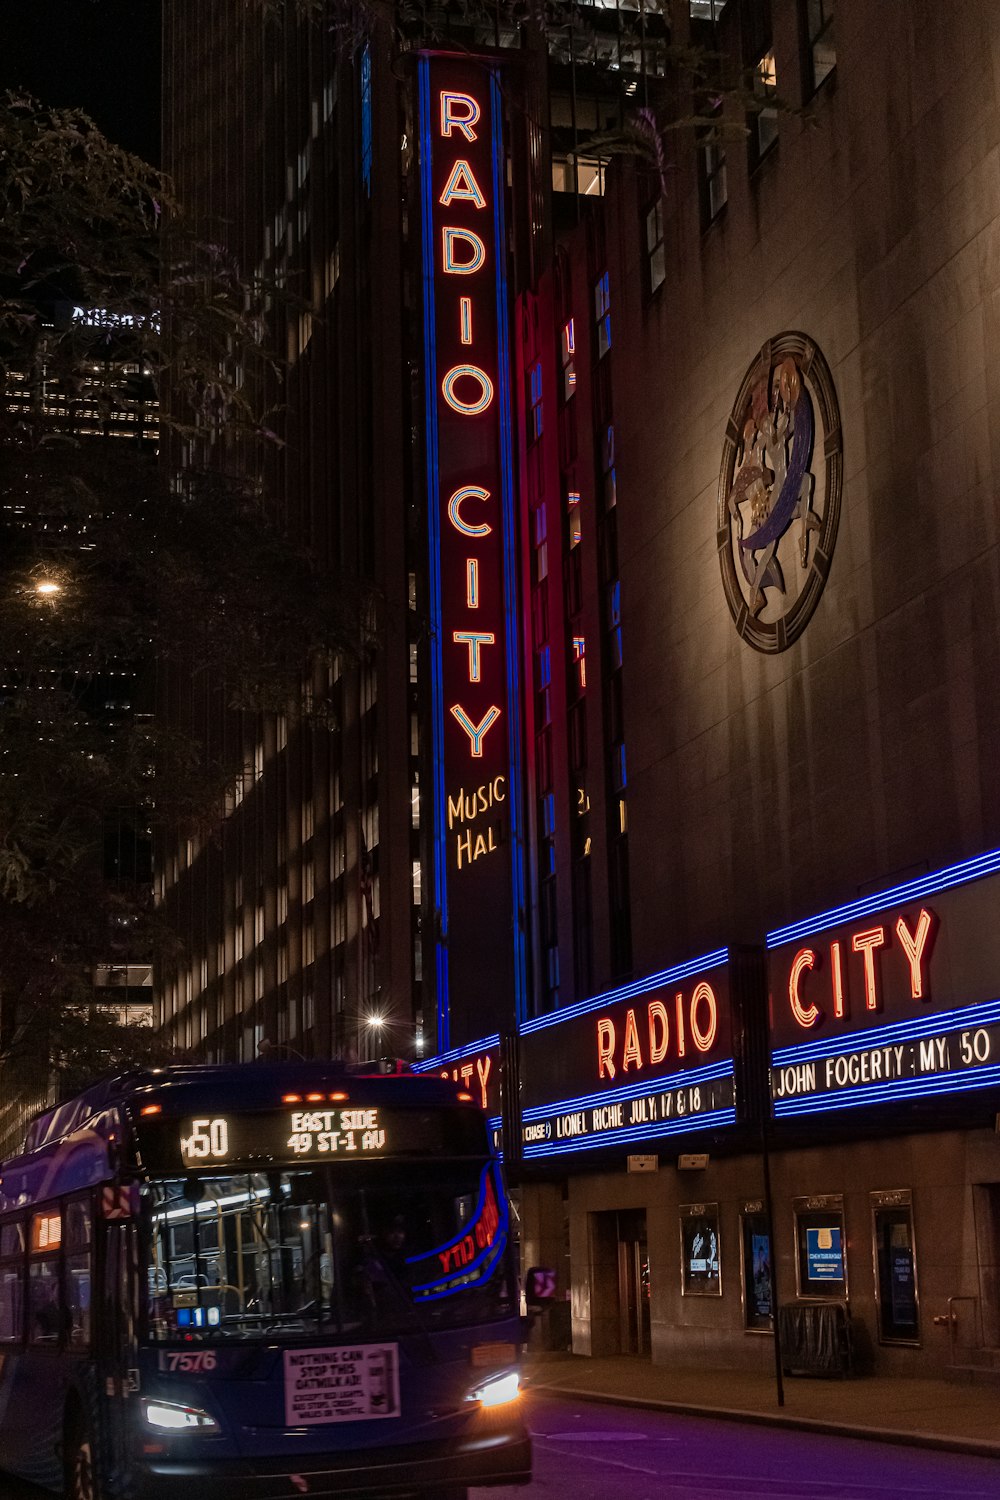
x: 291, y: 1098
x: 339, y: 1098
x: 151, y: 1109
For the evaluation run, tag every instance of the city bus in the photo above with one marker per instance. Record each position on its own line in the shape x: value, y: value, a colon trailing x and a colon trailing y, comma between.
x: 267, y: 1280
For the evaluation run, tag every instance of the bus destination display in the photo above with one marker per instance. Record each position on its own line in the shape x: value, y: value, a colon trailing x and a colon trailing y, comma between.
x: 307, y: 1133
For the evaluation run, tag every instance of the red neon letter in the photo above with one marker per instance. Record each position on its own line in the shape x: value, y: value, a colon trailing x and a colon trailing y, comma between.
x: 474, y: 639
x: 679, y: 1013
x: 914, y: 947
x: 476, y: 732
x: 630, y: 1052
x: 462, y: 185
x: 658, y: 1013
x: 704, y: 993
x: 837, y: 979
x: 453, y: 267
x: 483, y: 1066
x: 467, y: 372
x: 468, y: 492
x: 805, y: 1015
x: 866, y: 943
x: 606, y: 1047
x: 450, y: 104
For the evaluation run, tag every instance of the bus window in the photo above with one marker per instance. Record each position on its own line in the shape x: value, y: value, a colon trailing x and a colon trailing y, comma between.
x: 76, y: 1273
x: 11, y: 1282
x: 43, y: 1278
x: 258, y: 1254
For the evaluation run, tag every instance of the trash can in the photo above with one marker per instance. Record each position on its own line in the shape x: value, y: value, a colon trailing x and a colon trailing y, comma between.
x: 816, y: 1338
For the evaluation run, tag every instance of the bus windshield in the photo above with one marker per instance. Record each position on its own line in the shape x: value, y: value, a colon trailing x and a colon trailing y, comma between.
x: 260, y: 1255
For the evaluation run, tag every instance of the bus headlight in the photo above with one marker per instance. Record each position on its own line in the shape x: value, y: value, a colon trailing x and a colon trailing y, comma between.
x: 498, y: 1391
x: 170, y: 1416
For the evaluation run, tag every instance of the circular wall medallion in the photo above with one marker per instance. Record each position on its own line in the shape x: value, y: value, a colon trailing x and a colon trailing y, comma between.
x: 779, y: 492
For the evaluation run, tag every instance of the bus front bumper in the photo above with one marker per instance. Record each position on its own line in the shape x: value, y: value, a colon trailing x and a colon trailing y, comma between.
x: 390, y: 1473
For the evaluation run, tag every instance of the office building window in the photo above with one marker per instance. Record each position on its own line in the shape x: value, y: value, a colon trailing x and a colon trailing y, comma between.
x: 366, y: 119
x: 764, y: 122
x: 568, y: 356
x: 602, y: 315
x: 541, y: 545
x: 821, y: 47
x: 656, y: 264
x: 712, y: 177
x: 574, y: 521
x: 533, y: 383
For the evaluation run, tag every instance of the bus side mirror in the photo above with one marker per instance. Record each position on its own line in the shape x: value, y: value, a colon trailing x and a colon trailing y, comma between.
x: 193, y: 1189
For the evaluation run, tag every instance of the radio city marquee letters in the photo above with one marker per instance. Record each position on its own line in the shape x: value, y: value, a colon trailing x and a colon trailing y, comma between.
x: 903, y: 1001
x: 647, y: 1061
x: 472, y: 554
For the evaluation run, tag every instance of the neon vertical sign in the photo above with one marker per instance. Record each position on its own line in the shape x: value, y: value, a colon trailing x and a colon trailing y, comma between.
x: 478, y: 853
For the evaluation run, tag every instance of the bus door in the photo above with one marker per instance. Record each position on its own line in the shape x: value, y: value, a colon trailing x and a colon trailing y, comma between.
x: 115, y: 1348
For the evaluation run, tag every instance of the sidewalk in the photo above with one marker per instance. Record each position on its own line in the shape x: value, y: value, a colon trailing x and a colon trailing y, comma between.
x: 925, y: 1413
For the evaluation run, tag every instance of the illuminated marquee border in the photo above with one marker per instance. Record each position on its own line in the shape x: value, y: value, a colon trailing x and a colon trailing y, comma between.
x: 703, y: 965
x: 897, y: 895
x: 510, y: 574
x: 457, y: 1054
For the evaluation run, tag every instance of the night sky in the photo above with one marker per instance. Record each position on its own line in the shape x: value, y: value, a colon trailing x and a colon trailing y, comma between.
x: 102, y: 56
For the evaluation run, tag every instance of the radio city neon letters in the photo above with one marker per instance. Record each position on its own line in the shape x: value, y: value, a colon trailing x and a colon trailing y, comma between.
x: 633, y: 1046
x: 475, y: 764
x: 805, y: 994
x: 467, y: 388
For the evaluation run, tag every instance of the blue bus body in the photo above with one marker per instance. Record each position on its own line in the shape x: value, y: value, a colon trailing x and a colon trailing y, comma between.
x: 269, y: 1280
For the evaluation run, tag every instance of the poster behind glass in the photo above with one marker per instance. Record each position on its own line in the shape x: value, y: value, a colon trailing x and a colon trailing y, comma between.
x: 756, y: 1249
x: 822, y: 1264
x: 701, y: 1274
x: 895, y: 1268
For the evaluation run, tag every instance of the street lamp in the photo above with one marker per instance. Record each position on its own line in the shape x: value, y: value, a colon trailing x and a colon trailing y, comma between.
x: 48, y: 587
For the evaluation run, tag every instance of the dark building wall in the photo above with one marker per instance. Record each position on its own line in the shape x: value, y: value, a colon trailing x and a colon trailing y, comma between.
x: 298, y: 922
x: 762, y: 786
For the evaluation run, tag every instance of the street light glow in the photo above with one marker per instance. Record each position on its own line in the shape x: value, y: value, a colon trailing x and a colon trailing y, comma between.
x: 47, y: 586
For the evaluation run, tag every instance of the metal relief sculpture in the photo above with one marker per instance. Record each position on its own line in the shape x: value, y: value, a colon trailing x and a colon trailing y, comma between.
x: 779, y: 492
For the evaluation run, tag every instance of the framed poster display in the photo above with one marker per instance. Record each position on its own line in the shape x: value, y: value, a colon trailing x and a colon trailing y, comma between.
x: 820, y: 1246
x: 701, y: 1273
x: 755, y: 1260
x: 895, y: 1258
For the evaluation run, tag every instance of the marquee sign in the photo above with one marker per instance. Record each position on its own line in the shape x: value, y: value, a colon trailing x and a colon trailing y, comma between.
x: 650, y: 1060
x: 475, y: 1067
x: 478, y: 878
x: 896, y: 996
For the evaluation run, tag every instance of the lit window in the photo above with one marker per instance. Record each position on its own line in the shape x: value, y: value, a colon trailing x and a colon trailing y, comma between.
x: 602, y: 315
x: 568, y: 359
x: 764, y: 124
x: 821, y: 43
x: 655, y: 253
x: 574, y: 525
x: 580, y: 657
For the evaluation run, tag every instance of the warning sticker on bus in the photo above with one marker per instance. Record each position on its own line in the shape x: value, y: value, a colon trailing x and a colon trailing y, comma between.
x: 344, y: 1384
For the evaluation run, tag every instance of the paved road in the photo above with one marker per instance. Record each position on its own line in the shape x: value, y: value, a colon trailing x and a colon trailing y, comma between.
x: 585, y: 1451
